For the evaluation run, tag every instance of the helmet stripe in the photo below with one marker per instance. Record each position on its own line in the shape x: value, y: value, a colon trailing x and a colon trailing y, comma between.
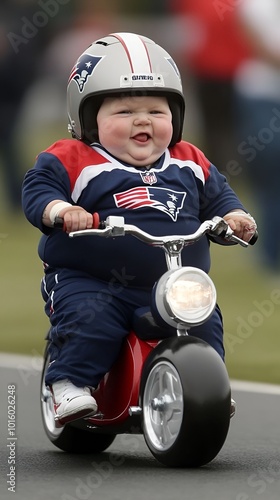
x: 136, y: 52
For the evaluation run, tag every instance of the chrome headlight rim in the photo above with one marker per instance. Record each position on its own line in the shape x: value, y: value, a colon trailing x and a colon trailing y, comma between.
x: 163, y: 306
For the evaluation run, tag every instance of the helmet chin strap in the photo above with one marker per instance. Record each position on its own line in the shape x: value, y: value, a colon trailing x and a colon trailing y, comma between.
x: 71, y: 130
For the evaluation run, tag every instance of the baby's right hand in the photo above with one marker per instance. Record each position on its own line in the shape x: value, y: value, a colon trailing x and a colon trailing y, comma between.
x: 75, y: 219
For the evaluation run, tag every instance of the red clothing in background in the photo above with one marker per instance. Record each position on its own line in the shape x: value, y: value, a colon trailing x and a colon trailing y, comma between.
x: 219, y: 44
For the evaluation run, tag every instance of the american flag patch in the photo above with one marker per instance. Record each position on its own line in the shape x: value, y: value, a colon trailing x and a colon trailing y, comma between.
x: 133, y: 198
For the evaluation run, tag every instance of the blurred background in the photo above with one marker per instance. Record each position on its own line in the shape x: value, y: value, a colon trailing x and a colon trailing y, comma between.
x: 229, y: 58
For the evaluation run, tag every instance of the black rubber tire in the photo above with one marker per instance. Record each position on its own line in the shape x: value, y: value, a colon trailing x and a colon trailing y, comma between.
x: 74, y: 440
x: 69, y: 438
x: 205, y: 402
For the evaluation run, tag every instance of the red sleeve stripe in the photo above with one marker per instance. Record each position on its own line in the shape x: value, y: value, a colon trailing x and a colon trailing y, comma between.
x: 185, y: 151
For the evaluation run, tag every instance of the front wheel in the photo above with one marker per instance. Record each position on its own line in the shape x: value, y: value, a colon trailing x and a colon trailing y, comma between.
x: 69, y: 438
x: 186, y: 398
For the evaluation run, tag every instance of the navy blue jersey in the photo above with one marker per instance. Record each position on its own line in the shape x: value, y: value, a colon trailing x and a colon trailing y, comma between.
x: 174, y: 196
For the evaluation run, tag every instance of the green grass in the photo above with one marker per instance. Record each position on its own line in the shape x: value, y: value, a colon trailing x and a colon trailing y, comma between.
x: 250, y: 302
x: 248, y: 299
x: 23, y: 322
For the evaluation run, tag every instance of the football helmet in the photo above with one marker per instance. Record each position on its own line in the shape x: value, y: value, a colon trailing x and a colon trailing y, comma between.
x: 121, y: 64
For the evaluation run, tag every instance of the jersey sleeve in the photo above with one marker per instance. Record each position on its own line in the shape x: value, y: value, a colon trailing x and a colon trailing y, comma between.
x: 217, y: 196
x: 48, y: 180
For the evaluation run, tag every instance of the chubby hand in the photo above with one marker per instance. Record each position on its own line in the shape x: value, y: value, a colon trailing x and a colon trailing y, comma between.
x: 75, y: 219
x: 242, y: 224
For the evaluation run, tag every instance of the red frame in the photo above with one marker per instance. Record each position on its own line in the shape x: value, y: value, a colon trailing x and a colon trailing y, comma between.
x: 119, y: 389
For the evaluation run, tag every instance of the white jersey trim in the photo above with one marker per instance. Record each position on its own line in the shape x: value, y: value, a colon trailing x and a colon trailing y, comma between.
x: 92, y: 171
x: 197, y: 169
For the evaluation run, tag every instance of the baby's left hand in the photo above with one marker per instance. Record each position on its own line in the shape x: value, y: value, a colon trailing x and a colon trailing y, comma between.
x: 243, y: 224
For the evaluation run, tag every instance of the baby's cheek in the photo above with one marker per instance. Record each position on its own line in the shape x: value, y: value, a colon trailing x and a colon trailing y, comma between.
x: 107, y: 129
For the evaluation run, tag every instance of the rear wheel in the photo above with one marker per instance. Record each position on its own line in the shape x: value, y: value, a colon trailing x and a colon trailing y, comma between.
x: 69, y: 438
x: 186, y: 402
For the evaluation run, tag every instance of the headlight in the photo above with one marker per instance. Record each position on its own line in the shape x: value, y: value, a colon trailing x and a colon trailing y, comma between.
x: 186, y: 295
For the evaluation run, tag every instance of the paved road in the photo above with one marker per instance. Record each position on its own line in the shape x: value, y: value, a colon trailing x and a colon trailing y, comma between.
x: 247, y: 468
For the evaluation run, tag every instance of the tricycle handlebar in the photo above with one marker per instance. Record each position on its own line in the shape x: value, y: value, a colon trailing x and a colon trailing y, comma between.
x: 115, y: 226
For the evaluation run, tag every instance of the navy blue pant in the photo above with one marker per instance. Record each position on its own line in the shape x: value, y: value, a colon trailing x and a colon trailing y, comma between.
x: 89, y: 320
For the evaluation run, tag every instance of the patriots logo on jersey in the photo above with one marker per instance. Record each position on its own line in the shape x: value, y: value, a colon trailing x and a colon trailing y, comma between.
x: 83, y: 69
x: 166, y: 200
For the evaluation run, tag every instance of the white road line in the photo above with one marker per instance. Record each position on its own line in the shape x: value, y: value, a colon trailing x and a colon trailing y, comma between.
x: 21, y: 361
x: 35, y: 363
x: 240, y: 385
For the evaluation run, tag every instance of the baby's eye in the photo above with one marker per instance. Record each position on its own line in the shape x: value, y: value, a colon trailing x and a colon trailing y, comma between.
x: 156, y: 112
x: 123, y: 112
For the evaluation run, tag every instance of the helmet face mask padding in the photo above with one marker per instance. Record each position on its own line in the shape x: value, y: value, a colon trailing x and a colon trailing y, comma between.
x: 121, y: 64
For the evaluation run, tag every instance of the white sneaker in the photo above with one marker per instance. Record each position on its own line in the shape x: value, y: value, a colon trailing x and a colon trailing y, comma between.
x: 71, y: 402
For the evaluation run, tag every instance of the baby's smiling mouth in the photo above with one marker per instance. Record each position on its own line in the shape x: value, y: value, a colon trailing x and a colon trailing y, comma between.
x: 141, y: 137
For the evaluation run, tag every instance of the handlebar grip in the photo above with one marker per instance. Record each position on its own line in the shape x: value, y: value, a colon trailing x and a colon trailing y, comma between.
x: 58, y: 223
x: 254, y: 238
x: 95, y: 220
x: 96, y: 223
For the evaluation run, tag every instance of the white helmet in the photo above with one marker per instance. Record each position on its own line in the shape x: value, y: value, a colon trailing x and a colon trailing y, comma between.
x: 121, y: 64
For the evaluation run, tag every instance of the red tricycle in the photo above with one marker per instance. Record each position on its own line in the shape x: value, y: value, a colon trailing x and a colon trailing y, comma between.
x: 174, y: 390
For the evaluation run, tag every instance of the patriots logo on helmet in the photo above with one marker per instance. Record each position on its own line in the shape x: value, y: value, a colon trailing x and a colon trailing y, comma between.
x: 83, y: 69
x: 165, y: 200
x: 174, y: 66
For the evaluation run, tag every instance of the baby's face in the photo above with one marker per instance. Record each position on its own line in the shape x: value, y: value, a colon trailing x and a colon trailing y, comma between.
x: 135, y: 130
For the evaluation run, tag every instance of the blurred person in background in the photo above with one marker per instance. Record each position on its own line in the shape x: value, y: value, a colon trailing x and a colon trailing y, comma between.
x: 21, y: 45
x: 17, y: 71
x: 90, y: 20
x: 257, y: 86
x: 212, y: 49
x: 76, y: 25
